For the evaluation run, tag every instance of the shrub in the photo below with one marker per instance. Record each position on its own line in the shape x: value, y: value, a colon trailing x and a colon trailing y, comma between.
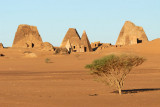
x: 47, y: 60
x: 112, y: 69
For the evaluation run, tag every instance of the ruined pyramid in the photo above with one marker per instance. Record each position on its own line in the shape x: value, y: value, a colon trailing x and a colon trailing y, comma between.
x: 131, y: 34
x: 27, y: 37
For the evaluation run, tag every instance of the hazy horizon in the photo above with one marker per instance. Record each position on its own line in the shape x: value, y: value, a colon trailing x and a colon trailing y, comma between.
x: 102, y: 20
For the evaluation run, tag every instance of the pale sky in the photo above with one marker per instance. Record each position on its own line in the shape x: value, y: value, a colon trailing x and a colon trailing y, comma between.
x: 102, y: 19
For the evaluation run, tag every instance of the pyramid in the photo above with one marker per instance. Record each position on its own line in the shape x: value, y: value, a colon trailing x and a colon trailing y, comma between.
x: 1, y: 46
x: 73, y: 43
x: 131, y: 34
x: 73, y: 36
x: 85, y: 42
x: 27, y: 37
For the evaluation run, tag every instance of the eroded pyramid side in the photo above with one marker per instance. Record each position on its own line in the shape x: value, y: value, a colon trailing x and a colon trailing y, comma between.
x: 131, y: 34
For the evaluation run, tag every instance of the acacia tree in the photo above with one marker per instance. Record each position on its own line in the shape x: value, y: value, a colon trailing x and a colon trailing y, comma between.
x: 112, y: 69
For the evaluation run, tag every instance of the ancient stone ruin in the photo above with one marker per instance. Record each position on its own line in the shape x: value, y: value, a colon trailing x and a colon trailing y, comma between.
x: 104, y: 46
x: 27, y: 37
x: 100, y: 46
x: 74, y: 43
x: 95, y: 45
x: 131, y: 34
x: 46, y: 46
x: 85, y: 44
x: 73, y: 37
x: 1, y: 46
x: 68, y: 46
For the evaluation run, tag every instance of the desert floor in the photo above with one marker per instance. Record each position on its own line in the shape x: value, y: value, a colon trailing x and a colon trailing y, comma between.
x: 64, y: 82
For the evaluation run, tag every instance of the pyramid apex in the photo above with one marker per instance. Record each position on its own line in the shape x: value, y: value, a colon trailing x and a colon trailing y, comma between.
x: 84, y: 31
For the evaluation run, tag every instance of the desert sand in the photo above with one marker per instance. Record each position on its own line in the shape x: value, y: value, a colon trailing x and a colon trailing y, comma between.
x: 28, y: 81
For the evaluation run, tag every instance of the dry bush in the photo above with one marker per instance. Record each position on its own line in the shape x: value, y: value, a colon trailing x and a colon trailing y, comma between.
x: 47, y: 60
x: 113, y: 69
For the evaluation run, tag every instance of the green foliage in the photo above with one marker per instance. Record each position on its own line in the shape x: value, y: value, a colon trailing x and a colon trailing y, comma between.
x: 113, y: 69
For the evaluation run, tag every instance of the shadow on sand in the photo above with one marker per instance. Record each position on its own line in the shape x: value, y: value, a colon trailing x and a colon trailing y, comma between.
x: 137, y: 90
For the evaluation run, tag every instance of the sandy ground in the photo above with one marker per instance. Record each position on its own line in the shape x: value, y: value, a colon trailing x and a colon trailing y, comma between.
x: 64, y: 82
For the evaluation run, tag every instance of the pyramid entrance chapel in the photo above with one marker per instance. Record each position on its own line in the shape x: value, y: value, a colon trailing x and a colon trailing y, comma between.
x: 74, y: 43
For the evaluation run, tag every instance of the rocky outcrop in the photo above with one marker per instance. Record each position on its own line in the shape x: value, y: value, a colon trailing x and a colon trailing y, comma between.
x: 46, y: 46
x: 131, y: 34
x: 1, y: 46
x: 27, y: 37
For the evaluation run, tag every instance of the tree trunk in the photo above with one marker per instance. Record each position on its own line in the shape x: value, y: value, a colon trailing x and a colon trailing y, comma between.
x: 119, y: 88
x: 120, y: 91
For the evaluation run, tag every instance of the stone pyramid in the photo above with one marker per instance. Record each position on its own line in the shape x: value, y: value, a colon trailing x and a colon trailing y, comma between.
x: 131, y: 34
x: 73, y: 36
x: 27, y: 37
x: 85, y: 42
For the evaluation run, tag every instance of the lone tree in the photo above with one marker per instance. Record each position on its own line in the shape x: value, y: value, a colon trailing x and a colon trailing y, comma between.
x: 112, y: 69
